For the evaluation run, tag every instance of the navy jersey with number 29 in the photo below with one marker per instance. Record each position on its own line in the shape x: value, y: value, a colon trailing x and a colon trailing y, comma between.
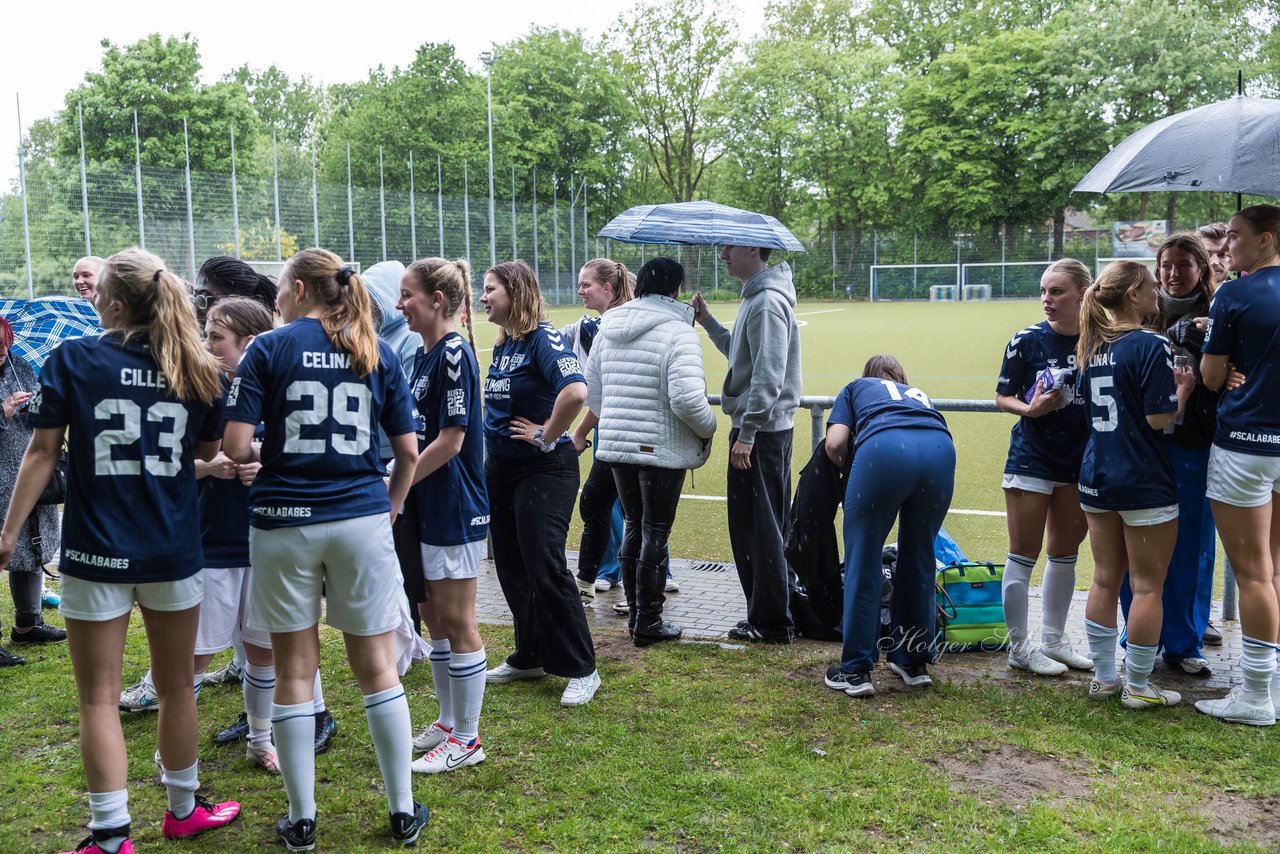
x: 1126, y: 463
x: 868, y: 406
x: 132, y: 515
x: 320, y: 460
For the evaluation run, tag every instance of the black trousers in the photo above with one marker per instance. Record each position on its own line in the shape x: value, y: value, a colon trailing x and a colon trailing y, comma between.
x: 26, y: 589
x: 649, y: 496
x: 530, y: 503
x: 759, y: 505
x: 596, y: 508
x: 404, y: 533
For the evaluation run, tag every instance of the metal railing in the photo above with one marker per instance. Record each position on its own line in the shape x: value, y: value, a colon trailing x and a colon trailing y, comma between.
x: 818, y: 406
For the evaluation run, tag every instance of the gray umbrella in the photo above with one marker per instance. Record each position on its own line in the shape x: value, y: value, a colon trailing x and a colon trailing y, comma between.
x: 699, y: 224
x: 1230, y: 146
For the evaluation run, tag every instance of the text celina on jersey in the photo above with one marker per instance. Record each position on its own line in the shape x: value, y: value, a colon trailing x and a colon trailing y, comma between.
x: 1051, y: 446
x: 132, y: 514
x: 524, y: 378
x: 1126, y: 463
x: 453, y: 506
x: 868, y: 406
x: 320, y: 460
x: 1244, y: 326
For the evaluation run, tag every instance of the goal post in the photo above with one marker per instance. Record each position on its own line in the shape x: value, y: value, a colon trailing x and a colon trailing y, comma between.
x: 910, y: 281
x: 1007, y: 279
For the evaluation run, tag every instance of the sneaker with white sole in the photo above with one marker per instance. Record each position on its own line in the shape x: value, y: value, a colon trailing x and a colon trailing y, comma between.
x: 671, y: 586
x: 914, y: 675
x: 1099, y: 690
x: 506, y: 673
x: 1148, y: 697
x: 586, y: 592
x: 1240, y: 708
x: 449, y: 755
x: 1195, y: 666
x: 140, y: 698
x: 1063, y: 653
x: 263, y: 754
x: 580, y: 690
x: 1034, y: 661
x: 229, y: 674
x: 429, y: 738
x: 622, y: 609
x: 854, y: 684
x: 604, y: 585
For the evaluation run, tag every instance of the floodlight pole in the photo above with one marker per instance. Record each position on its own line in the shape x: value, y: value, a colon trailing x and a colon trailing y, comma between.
x: 191, y: 225
x: 22, y: 178
x: 84, y: 182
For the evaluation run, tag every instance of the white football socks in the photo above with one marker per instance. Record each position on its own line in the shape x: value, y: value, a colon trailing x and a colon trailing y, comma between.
x: 388, y: 715
x: 1102, y: 649
x: 181, y: 788
x: 293, y: 728
x: 466, y: 677
x: 258, y: 685
x: 1013, y: 589
x: 1057, y: 588
x: 439, y: 657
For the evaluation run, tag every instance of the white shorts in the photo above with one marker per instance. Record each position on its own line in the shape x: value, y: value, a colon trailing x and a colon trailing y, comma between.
x: 227, y: 593
x: 455, y: 563
x: 352, y: 560
x: 1240, y: 479
x: 1140, y: 518
x: 99, y: 601
x: 1027, y: 483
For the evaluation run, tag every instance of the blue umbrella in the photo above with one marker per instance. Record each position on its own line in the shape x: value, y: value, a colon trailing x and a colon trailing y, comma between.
x: 1230, y: 146
x: 699, y: 224
x: 41, y: 324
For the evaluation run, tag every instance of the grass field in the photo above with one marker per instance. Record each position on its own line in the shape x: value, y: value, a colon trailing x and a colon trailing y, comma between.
x: 949, y: 350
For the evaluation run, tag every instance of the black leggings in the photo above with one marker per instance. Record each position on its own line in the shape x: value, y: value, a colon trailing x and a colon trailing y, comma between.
x: 649, y: 497
x: 26, y: 589
x: 599, y: 492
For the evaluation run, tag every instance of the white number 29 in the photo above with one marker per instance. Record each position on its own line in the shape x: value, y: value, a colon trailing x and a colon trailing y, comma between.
x: 343, y: 396
x: 130, y: 432
x: 1100, y: 394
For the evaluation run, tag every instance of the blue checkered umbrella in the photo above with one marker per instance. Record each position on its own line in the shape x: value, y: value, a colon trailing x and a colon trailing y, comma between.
x: 43, y: 323
x: 700, y: 224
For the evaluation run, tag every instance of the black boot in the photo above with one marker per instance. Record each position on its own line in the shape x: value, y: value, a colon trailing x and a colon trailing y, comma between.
x: 627, y: 569
x: 650, y: 628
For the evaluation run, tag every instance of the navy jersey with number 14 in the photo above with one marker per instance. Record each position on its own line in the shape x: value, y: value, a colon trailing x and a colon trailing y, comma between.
x: 320, y: 460
x: 868, y: 406
x: 1126, y: 464
x: 132, y: 515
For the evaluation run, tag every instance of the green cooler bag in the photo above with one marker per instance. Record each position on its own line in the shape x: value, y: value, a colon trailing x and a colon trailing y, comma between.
x: 970, y: 607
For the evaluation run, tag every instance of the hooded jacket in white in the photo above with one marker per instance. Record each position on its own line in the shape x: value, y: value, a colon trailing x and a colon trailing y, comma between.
x: 645, y: 381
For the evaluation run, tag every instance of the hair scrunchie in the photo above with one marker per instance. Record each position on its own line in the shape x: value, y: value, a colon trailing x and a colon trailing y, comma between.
x: 344, y: 275
x: 156, y: 278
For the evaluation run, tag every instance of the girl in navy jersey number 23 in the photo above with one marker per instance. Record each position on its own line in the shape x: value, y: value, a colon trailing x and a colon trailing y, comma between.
x: 140, y: 404
x: 321, y: 518
x: 1126, y: 478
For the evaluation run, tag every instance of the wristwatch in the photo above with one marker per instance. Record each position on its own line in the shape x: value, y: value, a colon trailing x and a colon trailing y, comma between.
x: 546, y: 447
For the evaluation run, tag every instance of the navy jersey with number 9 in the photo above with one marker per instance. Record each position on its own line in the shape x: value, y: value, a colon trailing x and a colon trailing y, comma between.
x: 868, y: 406
x: 132, y: 515
x: 320, y: 460
x: 1126, y: 464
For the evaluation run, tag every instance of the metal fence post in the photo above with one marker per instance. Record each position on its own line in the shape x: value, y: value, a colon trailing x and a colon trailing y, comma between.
x: 466, y: 208
x: 413, y: 220
x: 536, y: 272
x: 186, y: 172
x: 351, y: 227
x: 833, y: 262
x: 382, y: 204
x: 440, y: 202
x: 555, y: 230
x: 275, y: 185
x: 573, y: 243
x: 515, y: 252
x: 816, y: 431
x: 315, y: 199
x: 137, y: 174
x: 84, y: 183
x: 235, y: 199
x: 22, y: 180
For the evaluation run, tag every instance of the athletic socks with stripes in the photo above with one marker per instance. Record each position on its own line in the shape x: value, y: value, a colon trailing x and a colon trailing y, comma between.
x: 466, y: 680
x: 1013, y: 589
x: 258, y: 685
x: 1102, y: 649
x: 1257, y: 664
x: 1138, y: 661
x: 293, y: 728
x: 388, y: 715
x: 1057, y: 588
x: 439, y: 657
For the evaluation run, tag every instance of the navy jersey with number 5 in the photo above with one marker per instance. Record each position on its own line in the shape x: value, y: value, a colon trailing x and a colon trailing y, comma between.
x: 452, y: 502
x: 524, y: 378
x: 1048, y: 447
x: 132, y: 515
x: 1244, y: 325
x: 1126, y: 463
x: 868, y: 406
x: 320, y: 460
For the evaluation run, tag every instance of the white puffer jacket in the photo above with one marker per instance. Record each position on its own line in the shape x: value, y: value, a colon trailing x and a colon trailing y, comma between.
x: 645, y: 381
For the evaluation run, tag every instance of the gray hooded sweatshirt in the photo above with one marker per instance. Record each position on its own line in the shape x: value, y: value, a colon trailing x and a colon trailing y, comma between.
x: 762, y: 388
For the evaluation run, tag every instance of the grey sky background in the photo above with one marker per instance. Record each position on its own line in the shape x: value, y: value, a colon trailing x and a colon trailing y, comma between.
x: 48, y: 48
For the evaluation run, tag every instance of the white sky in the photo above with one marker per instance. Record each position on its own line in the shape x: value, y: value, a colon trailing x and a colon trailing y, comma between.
x: 48, y: 49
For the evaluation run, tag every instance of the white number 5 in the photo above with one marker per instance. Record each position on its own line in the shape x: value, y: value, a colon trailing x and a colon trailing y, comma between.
x: 1099, y: 393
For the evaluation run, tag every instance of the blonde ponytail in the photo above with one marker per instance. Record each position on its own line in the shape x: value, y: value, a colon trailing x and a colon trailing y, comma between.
x: 346, y: 309
x: 157, y: 304
x: 1101, y: 299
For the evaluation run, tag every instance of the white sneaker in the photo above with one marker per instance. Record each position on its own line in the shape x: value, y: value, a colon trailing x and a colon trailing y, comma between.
x: 604, y: 585
x: 1099, y: 690
x: 506, y: 673
x: 140, y: 698
x: 586, y: 591
x: 581, y: 689
x: 671, y: 587
x: 263, y: 755
x: 226, y: 675
x: 1148, y: 697
x: 1063, y: 653
x: 449, y: 755
x: 430, y: 737
x: 1194, y: 666
x: 1034, y: 661
x: 622, y: 608
x: 1240, y: 708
